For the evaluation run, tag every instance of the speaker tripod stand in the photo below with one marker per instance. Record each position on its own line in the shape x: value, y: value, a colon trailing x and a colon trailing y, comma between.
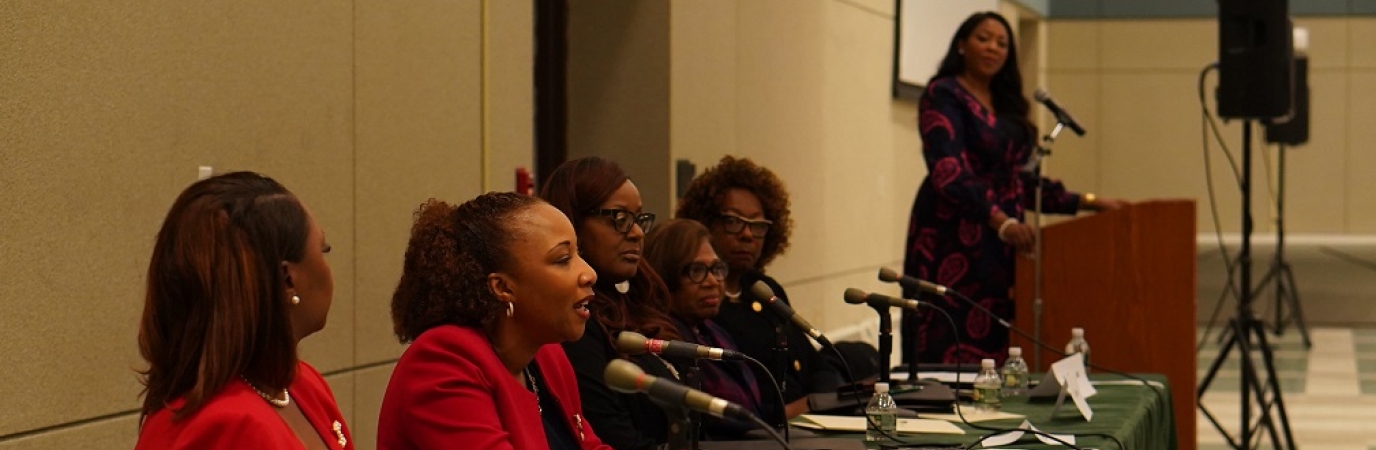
x: 1247, y: 335
x: 1287, y: 308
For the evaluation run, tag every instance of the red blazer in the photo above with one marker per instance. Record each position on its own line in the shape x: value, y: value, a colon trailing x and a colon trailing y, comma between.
x: 449, y: 390
x: 238, y: 418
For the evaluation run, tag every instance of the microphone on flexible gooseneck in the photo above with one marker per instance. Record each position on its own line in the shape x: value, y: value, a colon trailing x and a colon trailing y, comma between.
x: 625, y: 377
x: 761, y: 291
x: 888, y: 275
x: 633, y: 343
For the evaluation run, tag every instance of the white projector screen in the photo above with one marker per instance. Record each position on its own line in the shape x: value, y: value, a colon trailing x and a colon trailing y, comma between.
x: 923, y: 31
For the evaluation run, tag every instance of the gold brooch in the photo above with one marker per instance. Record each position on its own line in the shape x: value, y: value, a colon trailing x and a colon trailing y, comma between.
x: 756, y: 306
x: 339, y: 433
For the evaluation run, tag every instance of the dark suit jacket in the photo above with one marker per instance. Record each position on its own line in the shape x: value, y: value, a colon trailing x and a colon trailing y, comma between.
x: 758, y: 331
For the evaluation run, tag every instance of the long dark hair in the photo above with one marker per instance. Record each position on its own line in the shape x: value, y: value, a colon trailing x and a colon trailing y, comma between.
x: 577, y: 187
x: 216, y: 306
x: 1006, y: 87
x: 451, y: 251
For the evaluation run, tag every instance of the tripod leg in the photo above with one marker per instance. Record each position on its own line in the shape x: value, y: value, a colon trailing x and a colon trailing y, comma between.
x: 1272, y: 385
x: 1208, y: 380
x: 1229, y: 288
x: 1269, y: 360
x: 1293, y: 299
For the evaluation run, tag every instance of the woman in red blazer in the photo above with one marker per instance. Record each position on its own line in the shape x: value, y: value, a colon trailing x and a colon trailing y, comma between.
x: 488, y: 290
x: 238, y: 277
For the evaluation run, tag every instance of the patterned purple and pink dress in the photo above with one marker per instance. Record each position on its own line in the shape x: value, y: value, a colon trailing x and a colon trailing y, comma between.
x: 974, y: 164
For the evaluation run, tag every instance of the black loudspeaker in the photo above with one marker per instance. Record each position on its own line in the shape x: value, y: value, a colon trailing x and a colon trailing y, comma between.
x: 1294, y: 130
x: 1253, y: 58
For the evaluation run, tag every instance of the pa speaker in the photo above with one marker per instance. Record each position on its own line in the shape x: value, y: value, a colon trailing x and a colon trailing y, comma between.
x: 1294, y: 130
x: 1253, y: 58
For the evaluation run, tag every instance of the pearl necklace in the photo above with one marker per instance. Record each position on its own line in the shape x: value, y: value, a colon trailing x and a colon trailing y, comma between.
x: 278, y: 402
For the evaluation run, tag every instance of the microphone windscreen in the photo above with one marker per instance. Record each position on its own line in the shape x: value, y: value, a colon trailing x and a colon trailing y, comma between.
x: 630, y: 342
x: 1041, y: 95
x: 623, y: 376
x: 761, y: 291
x: 887, y: 275
x: 855, y: 296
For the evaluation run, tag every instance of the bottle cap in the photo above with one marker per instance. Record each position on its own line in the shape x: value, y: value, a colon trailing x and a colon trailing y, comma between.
x: 1014, y: 352
x: 881, y: 387
x: 986, y: 363
x: 1077, y: 332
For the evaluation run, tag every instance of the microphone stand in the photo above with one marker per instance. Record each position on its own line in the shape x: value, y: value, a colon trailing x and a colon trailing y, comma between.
x: 885, y: 343
x: 1040, y: 153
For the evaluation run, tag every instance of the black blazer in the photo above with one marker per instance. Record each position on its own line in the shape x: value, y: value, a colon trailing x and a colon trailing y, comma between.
x: 758, y: 331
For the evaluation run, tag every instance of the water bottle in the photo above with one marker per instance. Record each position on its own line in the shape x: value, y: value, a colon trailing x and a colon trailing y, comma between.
x: 987, y: 388
x: 1014, y: 373
x: 1078, y: 344
x: 882, y: 414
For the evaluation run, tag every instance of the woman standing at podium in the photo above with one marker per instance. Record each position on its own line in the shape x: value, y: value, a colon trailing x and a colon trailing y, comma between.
x: 966, y: 223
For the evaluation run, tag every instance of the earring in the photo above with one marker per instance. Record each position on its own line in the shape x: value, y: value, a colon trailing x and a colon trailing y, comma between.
x: 510, y: 308
x: 295, y: 299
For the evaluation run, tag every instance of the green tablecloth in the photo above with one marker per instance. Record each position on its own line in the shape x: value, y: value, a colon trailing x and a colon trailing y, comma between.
x: 1136, y: 415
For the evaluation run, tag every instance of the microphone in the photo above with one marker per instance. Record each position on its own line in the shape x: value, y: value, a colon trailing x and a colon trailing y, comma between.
x: 888, y: 275
x: 634, y: 343
x: 878, y: 301
x: 1061, y: 116
x: 625, y: 377
x: 762, y: 292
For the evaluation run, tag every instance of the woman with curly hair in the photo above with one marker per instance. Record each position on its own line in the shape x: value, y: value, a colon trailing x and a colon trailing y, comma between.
x: 237, y: 279
x: 745, y: 206
x: 965, y: 225
x: 605, y: 209
x: 486, y: 288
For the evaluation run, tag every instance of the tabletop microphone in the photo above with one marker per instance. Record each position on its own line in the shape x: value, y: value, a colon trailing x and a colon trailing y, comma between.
x: 878, y: 301
x: 626, y: 377
x: 761, y: 291
x: 888, y: 275
x: 1061, y: 115
x: 633, y: 343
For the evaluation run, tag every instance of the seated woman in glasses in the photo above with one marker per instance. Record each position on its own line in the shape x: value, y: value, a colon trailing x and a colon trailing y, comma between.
x: 681, y: 250
x: 745, y: 207
x: 606, y: 211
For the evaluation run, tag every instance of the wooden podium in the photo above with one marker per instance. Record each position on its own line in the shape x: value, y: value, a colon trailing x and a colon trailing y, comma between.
x: 1128, y: 278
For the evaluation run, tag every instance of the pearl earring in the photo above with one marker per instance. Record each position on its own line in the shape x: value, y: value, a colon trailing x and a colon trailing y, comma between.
x: 295, y: 299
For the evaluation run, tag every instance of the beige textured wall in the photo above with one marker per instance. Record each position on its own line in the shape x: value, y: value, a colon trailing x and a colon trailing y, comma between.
x: 1133, y: 84
x: 618, y: 90
x: 364, y: 109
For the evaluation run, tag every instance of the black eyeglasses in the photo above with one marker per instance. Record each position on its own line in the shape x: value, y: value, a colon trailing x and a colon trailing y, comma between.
x: 734, y: 224
x: 696, y: 272
x: 623, y: 219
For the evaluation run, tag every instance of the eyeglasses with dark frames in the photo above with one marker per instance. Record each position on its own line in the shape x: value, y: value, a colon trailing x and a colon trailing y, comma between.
x: 697, y: 272
x: 734, y: 224
x: 623, y: 219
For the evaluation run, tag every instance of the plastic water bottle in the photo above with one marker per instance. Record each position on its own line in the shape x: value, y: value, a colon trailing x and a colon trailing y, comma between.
x: 882, y: 414
x: 1014, y: 373
x: 1078, y: 344
x: 988, y: 387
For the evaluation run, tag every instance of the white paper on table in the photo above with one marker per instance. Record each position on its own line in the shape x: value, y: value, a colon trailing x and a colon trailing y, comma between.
x: 848, y: 423
x: 971, y: 415
x: 1013, y: 436
x: 1070, y: 373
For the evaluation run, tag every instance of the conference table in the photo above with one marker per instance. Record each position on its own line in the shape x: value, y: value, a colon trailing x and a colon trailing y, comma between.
x: 1138, y: 416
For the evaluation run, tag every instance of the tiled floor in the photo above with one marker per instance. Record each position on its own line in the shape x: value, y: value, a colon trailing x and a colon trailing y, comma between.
x: 1330, y: 390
